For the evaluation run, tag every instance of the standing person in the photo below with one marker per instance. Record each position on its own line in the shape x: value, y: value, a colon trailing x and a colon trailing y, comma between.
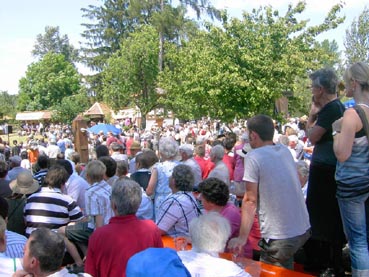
x: 324, y: 249
x: 273, y: 190
x: 352, y: 173
x: 111, y: 246
x: 161, y: 171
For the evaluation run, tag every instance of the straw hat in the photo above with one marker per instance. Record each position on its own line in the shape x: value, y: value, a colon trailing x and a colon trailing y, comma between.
x: 24, y: 184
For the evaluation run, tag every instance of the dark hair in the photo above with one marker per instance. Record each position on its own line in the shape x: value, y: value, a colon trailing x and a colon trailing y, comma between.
x: 325, y: 78
x: 142, y: 161
x: 228, y: 143
x: 183, y: 177
x: 48, y: 248
x: 214, y: 191
x: 3, y: 169
x: 66, y: 165
x: 60, y: 156
x: 76, y: 157
x: 111, y: 165
x: 43, y: 161
x: 262, y: 125
x: 151, y: 157
x: 56, y: 177
x: 24, y: 155
x: 102, y: 151
x: 4, y: 207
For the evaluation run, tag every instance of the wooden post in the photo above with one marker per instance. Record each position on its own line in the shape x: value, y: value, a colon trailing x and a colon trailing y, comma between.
x: 80, y: 138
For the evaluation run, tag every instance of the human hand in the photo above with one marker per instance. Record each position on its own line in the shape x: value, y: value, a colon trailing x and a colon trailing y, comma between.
x: 236, y: 244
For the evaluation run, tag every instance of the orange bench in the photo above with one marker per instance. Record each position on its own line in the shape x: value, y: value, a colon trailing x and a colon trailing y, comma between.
x: 254, y: 268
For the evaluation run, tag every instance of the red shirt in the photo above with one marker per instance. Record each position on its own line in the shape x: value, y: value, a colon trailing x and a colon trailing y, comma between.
x: 229, y: 161
x: 110, y: 246
x: 205, y: 165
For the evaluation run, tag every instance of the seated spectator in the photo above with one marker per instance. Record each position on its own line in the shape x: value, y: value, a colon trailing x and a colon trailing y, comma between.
x: 209, y: 234
x: 179, y: 208
x: 43, y: 255
x: 214, y: 196
x: 111, y: 246
x: 15, y: 167
x: 14, y: 242
x: 22, y: 187
x: 98, y: 211
x: 5, y: 190
x: 8, y: 264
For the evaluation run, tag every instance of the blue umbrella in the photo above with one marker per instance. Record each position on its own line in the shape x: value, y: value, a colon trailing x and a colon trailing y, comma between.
x: 105, y: 128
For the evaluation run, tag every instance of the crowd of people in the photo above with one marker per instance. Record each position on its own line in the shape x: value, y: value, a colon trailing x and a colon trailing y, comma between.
x: 255, y: 188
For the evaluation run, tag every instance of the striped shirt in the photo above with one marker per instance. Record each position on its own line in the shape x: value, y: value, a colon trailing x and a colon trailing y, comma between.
x: 40, y: 176
x: 97, y: 201
x: 14, y: 244
x: 51, y: 209
x: 176, y: 213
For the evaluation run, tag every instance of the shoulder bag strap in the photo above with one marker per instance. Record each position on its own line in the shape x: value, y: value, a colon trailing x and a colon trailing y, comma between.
x: 363, y: 118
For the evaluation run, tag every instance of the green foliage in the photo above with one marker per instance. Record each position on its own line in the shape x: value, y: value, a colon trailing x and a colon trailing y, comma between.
x: 8, y: 103
x: 70, y: 107
x: 130, y: 75
x: 241, y: 69
x: 53, y: 41
x: 357, y: 39
x: 47, y: 82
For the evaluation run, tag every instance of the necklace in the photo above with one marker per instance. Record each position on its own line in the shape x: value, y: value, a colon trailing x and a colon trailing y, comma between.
x: 364, y: 105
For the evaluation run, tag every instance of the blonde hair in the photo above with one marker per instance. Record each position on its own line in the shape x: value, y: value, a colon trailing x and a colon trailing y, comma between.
x: 359, y: 72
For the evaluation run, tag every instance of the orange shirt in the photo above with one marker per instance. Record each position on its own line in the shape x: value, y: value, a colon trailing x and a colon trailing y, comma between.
x: 32, y: 155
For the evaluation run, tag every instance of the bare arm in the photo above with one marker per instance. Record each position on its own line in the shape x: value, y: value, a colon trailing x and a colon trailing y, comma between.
x: 152, y: 183
x: 99, y: 221
x: 249, y: 204
x: 344, y: 140
x: 314, y: 132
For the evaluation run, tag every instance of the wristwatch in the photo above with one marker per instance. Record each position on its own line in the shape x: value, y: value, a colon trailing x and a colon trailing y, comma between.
x: 335, y: 133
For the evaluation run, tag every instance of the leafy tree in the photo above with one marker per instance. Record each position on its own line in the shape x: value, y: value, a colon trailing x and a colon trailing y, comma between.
x: 8, y: 103
x: 357, y: 39
x: 53, y: 41
x: 241, y: 69
x: 47, y: 82
x: 131, y: 73
x: 70, y: 107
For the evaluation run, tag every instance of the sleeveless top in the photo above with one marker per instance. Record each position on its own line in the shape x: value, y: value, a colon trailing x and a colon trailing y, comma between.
x: 352, y: 175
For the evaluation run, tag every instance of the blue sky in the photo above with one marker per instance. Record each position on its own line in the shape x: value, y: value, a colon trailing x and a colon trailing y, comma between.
x: 22, y: 20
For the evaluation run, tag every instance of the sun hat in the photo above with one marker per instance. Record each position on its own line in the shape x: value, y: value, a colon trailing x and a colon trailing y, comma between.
x: 24, y: 184
x: 15, y: 159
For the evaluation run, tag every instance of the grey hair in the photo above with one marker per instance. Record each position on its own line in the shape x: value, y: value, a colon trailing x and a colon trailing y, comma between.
x: 325, y: 78
x: 210, y: 233
x: 168, y: 147
x: 48, y: 248
x: 126, y: 195
x: 217, y: 152
x: 302, y: 168
x: 187, y: 148
x: 183, y: 177
x: 95, y: 170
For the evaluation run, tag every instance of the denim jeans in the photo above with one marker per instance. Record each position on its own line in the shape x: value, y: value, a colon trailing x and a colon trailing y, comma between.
x: 355, y: 218
x: 280, y: 252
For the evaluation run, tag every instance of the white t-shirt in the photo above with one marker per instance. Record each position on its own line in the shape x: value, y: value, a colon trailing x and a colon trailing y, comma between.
x: 205, y: 265
x: 281, y: 205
